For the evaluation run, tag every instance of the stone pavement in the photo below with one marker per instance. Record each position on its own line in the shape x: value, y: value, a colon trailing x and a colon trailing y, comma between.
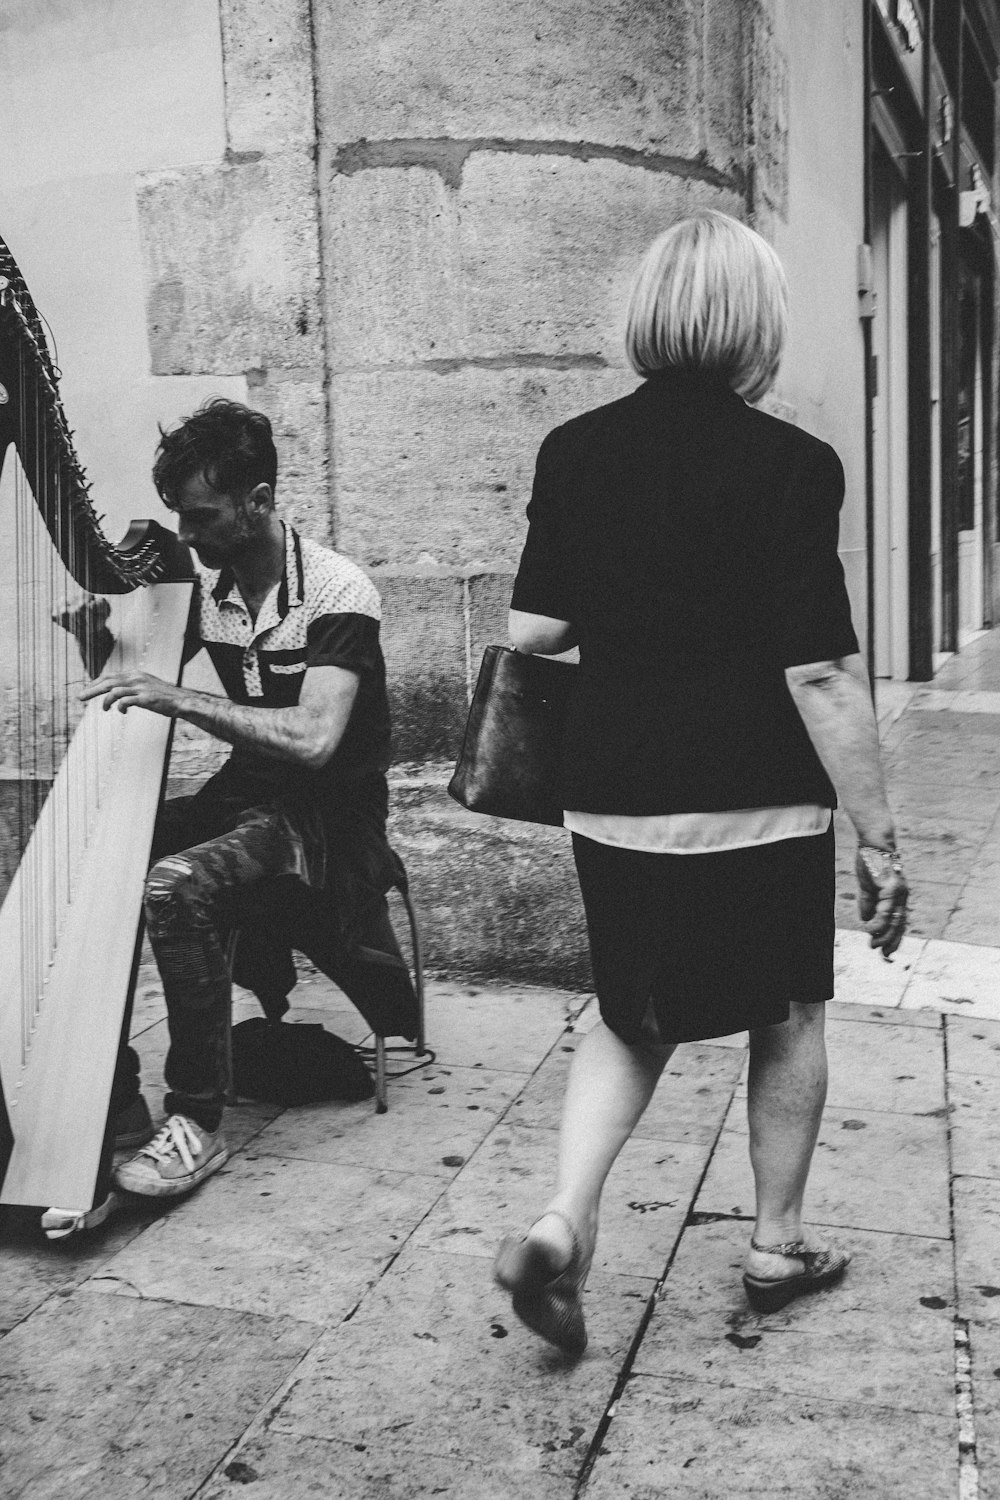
x: 319, y: 1319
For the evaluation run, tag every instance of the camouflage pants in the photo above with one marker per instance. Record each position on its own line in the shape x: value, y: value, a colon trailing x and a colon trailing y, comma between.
x: 193, y: 899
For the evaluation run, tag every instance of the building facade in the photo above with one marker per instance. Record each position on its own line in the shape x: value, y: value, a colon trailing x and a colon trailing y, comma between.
x: 928, y: 284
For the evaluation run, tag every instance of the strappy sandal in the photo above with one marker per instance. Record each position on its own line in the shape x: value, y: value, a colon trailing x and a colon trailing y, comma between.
x: 547, y: 1304
x: 821, y: 1268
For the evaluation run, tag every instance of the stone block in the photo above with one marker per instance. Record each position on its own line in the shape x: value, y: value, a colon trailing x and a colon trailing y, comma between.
x: 107, y: 1398
x: 767, y: 96
x: 496, y: 898
x: 296, y: 404
x: 727, y: 25
x: 528, y: 254
x: 232, y: 266
x: 443, y: 463
x: 489, y: 606
x: 423, y: 640
x: 393, y: 268
x: 267, y: 65
x: 608, y: 71
x: 671, y: 1437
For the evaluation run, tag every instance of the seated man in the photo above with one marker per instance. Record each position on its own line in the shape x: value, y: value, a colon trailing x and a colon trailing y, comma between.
x: 293, y: 631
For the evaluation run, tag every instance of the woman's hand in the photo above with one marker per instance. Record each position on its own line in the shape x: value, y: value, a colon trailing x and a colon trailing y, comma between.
x: 882, y: 897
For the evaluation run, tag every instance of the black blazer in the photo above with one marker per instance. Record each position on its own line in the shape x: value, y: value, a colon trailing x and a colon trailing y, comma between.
x: 692, y: 542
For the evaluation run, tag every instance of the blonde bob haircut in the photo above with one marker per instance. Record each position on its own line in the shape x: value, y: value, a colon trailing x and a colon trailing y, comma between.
x: 709, y: 295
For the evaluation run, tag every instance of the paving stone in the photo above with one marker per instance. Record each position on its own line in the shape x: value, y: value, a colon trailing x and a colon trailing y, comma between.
x: 871, y: 1170
x: 107, y: 1398
x: 504, y: 1187
x: 456, y: 1361
x: 975, y: 1125
x: 897, y: 1068
x: 502, y: 1029
x: 884, y: 1334
x: 676, y: 1438
x: 862, y: 977
x: 973, y: 1046
x: 689, y: 1104
x: 35, y: 1269
x: 984, y: 1340
x: 903, y: 1068
x: 977, y: 1235
x: 430, y: 1129
x: 876, y: 1015
x: 976, y: 917
x: 301, y: 1239
x: 956, y: 977
x: 280, y: 1466
x: 919, y: 802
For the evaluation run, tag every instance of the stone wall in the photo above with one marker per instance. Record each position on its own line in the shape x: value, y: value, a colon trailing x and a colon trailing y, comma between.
x: 405, y: 229
x: 423, y: 229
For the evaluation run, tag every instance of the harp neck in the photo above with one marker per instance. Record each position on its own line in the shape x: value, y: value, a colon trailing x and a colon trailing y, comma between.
x: 32, y: 419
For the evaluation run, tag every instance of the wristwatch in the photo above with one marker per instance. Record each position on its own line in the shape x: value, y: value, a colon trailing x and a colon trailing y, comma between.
x: 878, y: 862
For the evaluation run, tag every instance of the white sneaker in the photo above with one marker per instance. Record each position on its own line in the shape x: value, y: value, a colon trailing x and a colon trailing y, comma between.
x: 178, y: 1157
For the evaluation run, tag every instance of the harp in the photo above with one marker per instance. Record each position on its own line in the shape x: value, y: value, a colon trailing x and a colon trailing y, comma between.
x: 79, y: 788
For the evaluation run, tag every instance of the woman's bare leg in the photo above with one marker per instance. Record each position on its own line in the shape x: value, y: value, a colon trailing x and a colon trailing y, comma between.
x: 610, y: 1085
x: 786, y: 1094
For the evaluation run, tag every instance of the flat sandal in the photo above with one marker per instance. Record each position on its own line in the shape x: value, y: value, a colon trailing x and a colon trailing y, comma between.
x: 822, y: 1268
x: 549, y: 1305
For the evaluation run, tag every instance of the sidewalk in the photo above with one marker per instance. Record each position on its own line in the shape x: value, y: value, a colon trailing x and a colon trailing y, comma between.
x: 319, y: 1319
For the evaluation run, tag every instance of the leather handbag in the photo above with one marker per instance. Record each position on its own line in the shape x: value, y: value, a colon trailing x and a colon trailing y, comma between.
x: 510, y: 757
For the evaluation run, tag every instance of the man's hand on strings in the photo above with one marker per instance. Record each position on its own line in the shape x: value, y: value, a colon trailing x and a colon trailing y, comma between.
x: 126, y: 690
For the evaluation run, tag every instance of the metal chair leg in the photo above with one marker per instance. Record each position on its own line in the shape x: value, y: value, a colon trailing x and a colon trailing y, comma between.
x: 230, y: 1094
x: 420, y: 1045
x: 381, y: 1099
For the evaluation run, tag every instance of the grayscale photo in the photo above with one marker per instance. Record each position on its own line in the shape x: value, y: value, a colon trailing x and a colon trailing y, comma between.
x: 500, y: 749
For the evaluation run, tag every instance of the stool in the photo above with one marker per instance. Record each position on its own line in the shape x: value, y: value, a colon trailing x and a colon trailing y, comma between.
x: 374, y: 976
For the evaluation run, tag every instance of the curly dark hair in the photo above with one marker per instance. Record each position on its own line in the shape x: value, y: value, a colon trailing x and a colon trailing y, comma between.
x: 228, y: 443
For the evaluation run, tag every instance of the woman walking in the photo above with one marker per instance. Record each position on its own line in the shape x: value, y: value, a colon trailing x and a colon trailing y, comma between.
x: 688, y: 544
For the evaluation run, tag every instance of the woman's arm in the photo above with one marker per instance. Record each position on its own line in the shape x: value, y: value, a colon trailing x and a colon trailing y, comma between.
x: 540, y: 635
x: 835, y: 704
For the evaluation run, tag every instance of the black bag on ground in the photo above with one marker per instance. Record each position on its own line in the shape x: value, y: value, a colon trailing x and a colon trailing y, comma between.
x: 296, y: 1063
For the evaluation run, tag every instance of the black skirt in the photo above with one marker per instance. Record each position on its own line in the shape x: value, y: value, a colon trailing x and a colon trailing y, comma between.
x: 718, y: 942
